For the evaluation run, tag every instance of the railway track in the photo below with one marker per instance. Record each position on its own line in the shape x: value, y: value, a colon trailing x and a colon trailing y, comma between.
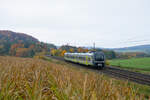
x: 118, y: 73
x: 128, y: 75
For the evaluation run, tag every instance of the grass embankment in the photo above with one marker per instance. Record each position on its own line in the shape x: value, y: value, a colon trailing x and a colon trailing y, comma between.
x: 34, y: 79
x: 137, y: 64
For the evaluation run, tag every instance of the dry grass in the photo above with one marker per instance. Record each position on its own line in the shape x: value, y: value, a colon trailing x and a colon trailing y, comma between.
x: 34, y: 79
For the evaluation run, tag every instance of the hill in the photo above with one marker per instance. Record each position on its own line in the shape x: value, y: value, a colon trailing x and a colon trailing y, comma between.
x: 21, y: 44
x: 15, y: 37
x: 140, y: 48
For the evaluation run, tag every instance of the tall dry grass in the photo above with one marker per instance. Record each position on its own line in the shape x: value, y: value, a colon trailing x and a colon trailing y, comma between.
x: 34, y: 79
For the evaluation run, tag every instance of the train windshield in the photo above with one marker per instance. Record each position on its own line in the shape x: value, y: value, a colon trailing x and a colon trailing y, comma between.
x: 99, y: 57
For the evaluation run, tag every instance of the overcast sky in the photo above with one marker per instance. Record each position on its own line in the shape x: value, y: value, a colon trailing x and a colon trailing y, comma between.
x: 108, y: 23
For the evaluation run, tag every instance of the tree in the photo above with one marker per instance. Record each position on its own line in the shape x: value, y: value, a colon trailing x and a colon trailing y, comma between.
x: 14, y: 47
x: 22, y: 52
x: 86, y: 50
x: 63, y: 52
x: 71, y: 50
x: 82, y: 50
x: 109, y: 54
x: 53, y: 52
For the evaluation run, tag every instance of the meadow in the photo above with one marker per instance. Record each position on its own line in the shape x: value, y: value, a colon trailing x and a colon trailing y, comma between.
x: 139, y: 64
x: 36, y: 79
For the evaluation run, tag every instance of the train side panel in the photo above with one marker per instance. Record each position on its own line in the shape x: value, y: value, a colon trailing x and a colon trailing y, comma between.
x: 83, y: 58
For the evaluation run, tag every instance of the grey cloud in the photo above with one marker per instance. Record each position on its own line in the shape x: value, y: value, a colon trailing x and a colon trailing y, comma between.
x: 79, y: 22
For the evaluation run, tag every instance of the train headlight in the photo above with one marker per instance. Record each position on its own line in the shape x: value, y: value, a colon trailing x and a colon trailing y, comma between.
x: 99, y: 64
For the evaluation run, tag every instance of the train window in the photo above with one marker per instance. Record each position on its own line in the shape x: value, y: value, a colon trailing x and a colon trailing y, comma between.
x: 72, y: 57
x: 83, y: 58
x: 80, y: 58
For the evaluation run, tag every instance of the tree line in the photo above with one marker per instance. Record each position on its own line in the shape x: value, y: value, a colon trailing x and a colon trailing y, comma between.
x: 23, y: 45
x: 110, y: 54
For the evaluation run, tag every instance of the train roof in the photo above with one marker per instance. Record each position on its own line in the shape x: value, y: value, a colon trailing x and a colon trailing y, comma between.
x: 79, y: 54
x: 89, y: 53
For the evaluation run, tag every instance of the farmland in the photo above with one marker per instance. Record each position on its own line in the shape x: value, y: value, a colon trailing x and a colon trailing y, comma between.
x: 137, y: 64
x: 36, y: 79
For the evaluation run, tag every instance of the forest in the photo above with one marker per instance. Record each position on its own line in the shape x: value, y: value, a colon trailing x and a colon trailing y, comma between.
x: 21, y: 45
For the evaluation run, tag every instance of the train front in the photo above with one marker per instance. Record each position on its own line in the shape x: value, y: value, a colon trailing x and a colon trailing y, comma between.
x: 99, y: 59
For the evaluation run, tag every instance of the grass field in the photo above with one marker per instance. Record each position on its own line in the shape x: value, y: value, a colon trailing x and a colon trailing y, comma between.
x: 35, y: 79
x: 138, y: 64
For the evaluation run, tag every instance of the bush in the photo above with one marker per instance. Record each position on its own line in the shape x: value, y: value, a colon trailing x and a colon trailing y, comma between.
x: 107, y: 63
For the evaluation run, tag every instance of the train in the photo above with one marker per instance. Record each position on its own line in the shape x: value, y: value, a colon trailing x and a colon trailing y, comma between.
x: 95, y: 59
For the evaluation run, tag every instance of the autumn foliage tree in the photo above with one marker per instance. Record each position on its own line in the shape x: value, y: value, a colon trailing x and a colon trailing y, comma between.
x: 14, y: 47
x: 63, y: 52
x: 53, y: 52
x: 71, y: 50
x: 22, y: 52
x: 82, y: 50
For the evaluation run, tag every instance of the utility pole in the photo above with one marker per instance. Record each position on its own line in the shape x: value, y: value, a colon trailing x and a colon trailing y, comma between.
x: 94, y: 47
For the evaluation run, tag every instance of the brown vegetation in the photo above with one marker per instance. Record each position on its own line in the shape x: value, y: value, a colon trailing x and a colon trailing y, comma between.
x: 34, y: 79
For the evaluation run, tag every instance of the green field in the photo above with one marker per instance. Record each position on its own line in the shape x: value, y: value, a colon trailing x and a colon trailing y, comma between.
x: 140, y: 64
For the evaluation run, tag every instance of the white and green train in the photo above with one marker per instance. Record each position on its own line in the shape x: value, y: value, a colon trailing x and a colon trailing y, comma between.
x: 96, y: 59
